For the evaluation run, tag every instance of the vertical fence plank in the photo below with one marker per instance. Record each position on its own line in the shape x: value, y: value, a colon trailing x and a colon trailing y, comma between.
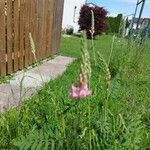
x: 9, y: 37
x: 59, y: 22
x: 49, y: 19
x: 30, y: 10
x: 56, y: 30
x: 53, y: 25
x: 21, y: 36
x: 2, y: 38
x: 36, y: 28
x: 44, y: 28
x: 58, y: 25
x: 32, y: 13
x: 27, y: 42
x: 33, y: 26
x: 42, y: 31
x: 16, y: 34
x: 38, y: 25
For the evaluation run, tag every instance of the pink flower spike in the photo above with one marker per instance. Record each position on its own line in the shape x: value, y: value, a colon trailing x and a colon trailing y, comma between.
x: 74, y: 92
x: 80, y: 92
x: 88, y: 92
x: 84, y: 92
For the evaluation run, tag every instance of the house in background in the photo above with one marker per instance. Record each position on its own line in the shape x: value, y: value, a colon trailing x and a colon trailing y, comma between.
x: 143, y: 23
x: 71, y: 13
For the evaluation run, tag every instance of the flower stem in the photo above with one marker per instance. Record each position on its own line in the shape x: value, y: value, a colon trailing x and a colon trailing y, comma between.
x: 93, y: 49
x: 89, y: 111
x: 111, y: 50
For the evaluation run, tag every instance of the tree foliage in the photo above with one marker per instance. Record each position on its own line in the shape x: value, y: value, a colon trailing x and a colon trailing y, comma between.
x: 113, y: 23
x: 85, y: 19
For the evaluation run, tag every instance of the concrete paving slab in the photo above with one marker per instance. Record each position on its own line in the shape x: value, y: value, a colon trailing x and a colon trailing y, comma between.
x: 27, y: 83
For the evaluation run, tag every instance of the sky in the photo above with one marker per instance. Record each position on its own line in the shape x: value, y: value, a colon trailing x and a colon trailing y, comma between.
x: 126, y: 7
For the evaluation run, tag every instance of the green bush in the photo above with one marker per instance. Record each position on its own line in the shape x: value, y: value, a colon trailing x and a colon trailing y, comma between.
x: 69, y: 30
x: 113, y: 23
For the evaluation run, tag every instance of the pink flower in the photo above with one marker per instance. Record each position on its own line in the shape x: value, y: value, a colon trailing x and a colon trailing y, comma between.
x: 80, y: 92
x: 74, y: 92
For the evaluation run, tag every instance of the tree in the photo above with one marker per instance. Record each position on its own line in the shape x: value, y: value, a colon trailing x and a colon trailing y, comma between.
x: 85, y: 19
x: 113, y: 23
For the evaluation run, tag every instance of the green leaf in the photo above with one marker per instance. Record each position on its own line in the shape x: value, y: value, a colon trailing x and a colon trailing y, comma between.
x: 34, y: 145
x: 52, y: 145
x: 39, y: 146
x: 28, y: 145
x: 46, y: 145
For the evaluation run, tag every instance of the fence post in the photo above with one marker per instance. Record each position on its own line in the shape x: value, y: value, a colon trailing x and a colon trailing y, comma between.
x: 2, y: 38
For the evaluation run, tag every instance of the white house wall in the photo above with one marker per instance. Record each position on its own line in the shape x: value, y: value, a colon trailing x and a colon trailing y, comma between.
x: 71, y: 15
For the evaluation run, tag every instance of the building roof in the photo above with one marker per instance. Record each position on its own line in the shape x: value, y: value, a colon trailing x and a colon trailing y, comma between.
x: 142, y: 20
x: 92, y: 4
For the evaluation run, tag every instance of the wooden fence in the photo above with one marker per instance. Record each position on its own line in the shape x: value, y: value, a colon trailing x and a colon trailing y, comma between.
x: 43, y: 18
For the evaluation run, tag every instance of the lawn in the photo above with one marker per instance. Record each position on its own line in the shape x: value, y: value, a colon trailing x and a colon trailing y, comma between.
x: 71, y: 46
x: 113, y: 119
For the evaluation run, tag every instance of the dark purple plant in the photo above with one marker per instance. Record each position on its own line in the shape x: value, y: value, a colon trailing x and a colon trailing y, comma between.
x: 85, y: 19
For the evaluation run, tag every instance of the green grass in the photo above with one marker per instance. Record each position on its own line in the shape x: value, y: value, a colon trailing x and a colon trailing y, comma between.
x: 71, y: 46
x: 6, y: 79
x: 51, y: 120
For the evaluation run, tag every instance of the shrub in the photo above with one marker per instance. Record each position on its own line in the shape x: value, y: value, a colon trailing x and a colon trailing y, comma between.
x: 69, y: 30
x: 113, y: 23
x: 99, y: 17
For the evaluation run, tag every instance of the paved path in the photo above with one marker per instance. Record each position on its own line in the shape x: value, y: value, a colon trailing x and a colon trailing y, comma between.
x: 31, y: 80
